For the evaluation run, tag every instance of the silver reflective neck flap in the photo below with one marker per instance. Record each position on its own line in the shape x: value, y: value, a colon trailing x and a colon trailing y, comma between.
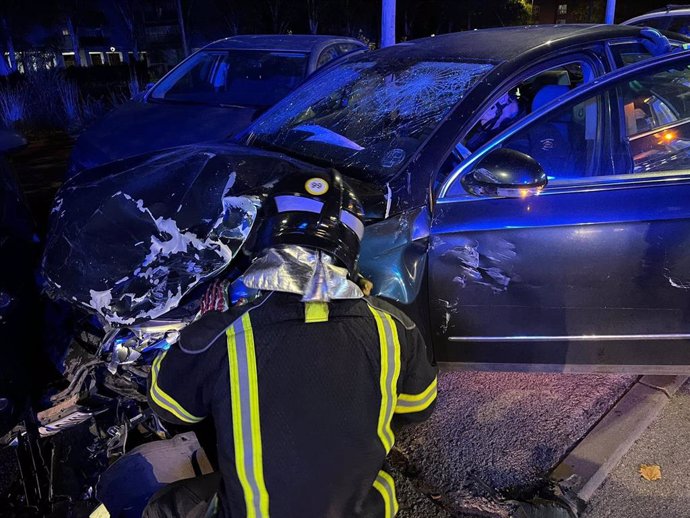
x: 295, y: 269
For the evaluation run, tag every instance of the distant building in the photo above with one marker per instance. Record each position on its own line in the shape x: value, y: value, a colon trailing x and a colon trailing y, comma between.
x: 107, y: 40
x: 162, y: 35
x: 547, y: 12
x: 550, y: 11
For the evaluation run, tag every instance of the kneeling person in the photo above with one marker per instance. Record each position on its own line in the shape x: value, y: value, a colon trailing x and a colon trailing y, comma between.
x: 307, y: 382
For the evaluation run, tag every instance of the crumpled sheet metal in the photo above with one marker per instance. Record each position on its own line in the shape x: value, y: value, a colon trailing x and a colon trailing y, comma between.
x: 295, y: 269
x: 130, y: 245
x: 489, y: 264
x: 394, y: 254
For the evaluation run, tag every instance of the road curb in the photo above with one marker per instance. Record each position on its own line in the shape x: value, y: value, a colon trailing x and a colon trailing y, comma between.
x: 586, y: 467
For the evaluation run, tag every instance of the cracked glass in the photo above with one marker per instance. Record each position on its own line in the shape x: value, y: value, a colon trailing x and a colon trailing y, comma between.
x: 366, y: 118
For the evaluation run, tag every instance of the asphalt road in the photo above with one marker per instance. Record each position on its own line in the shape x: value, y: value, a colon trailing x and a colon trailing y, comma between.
x: 494, y: 437
x: 626, y: 494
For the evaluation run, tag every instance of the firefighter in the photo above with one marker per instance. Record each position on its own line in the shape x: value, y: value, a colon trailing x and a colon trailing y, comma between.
x: 307, y: 383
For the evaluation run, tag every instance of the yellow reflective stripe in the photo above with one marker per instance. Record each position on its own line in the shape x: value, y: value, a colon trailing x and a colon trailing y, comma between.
x: 164, y: 400
x: 384, y: 484
x: 258, y: 461
x: 246, y: 424
x: 238, y: 440
x: 390, y: 371
x: 315, y: 312
x: 409, y: 403
x: 414, y: 398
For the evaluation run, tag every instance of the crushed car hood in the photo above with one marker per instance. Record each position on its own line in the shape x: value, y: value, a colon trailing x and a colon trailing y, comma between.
x: 130, y: 239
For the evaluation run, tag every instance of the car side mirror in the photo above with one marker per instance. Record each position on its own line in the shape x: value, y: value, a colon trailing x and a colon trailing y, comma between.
x: 505, y: 173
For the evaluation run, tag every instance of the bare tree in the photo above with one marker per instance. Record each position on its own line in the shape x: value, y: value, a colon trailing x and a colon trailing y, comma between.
x: 132, y: 14
x: 279, y: 21
x: 14, y: 18
x: 183, y: 32
x: 230, y: 16
x: 5, y: 68
x: 313, y: 15
x: 410, y: 11
x: 74, y: 15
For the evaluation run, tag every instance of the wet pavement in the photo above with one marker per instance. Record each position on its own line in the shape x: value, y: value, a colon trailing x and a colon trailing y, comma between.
x: 665, y: 443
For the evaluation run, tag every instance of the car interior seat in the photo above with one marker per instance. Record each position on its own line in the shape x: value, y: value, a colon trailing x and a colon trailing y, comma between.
x: 550, y: 143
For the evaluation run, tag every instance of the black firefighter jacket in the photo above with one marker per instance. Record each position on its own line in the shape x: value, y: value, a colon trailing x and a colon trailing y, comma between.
x: 304, y: 398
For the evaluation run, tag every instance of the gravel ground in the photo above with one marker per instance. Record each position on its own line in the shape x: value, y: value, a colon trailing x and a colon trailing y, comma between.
x: 496, y: 434
x: 9, y: 472
x: 665, y: 443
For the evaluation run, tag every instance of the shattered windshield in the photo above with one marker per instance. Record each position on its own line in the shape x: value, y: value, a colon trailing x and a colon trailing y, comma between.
x: 366, y: 117
x: 233, y: 78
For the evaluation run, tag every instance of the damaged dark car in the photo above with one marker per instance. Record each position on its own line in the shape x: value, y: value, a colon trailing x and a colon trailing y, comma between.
x: 484, y: 173
x: 526, y: 196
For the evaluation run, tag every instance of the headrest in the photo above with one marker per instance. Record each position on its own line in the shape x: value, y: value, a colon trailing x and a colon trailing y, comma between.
x: 547, y: 94
x: 552, y: 77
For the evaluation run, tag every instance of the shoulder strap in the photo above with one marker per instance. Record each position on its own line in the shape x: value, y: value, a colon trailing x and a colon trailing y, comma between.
x: 203, y: 333
x: 390, y: 309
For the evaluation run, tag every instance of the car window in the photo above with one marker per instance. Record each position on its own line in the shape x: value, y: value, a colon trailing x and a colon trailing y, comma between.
x: 327, y: 55
x: 656, y: 110
x: 518, y: 101
x: 233, y: 77
x: 344, y: 48
x: 648, y: 130
x: 569, y: 143
x: 578, y: 141
x: 628, y: 53
x: 680, y: 24
x: 526, y: 97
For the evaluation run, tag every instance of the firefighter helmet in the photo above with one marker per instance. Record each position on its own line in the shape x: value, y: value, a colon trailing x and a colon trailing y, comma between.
x: 314, y: 210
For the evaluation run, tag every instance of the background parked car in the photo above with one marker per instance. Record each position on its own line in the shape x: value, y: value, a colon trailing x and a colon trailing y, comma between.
x: 675, y: 18
x: 212, y: 94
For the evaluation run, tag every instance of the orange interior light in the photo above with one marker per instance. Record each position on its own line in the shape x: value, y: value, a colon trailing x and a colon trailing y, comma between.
x: 666, y: 137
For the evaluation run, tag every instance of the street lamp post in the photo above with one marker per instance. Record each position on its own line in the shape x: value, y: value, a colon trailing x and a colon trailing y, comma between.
x: 387, y: 23
x: 610, y: 11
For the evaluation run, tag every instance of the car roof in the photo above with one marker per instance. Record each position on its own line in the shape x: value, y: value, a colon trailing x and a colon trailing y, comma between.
x: 286, y: 42
x: 663, y: 12
x: 503, y: 43
x: 669, y: 8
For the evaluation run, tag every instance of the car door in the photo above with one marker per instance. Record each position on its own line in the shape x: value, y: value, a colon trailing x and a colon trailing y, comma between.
x: 594, y: 271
